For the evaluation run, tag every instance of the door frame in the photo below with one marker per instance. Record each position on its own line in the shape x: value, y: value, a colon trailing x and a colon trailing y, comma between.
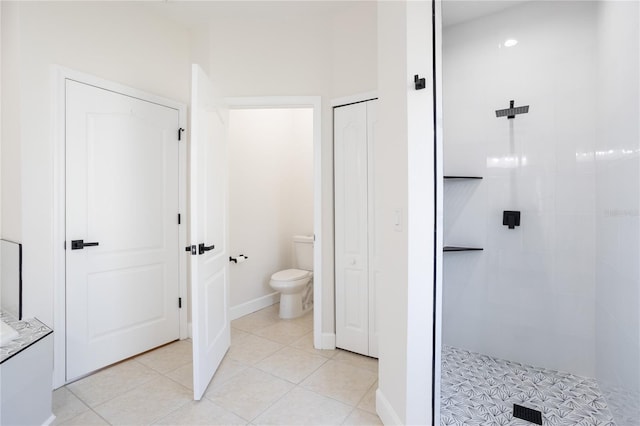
x: 438, y: 166
x: 315, y: 103
x: 59, y: 75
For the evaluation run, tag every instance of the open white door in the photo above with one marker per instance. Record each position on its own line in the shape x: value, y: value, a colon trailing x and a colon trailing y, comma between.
x: 209, y: 258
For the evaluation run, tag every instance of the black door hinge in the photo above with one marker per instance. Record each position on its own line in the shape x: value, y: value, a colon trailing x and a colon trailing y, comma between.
x: 180, y: 130
x: 179, y: 302
x: 178, y: 218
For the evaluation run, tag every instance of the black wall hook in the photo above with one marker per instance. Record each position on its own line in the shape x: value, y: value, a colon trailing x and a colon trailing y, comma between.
x: 511, y: 218
x: 420, y: 83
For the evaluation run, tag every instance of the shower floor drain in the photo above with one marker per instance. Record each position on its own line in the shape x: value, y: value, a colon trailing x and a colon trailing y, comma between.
x: 528, y: 414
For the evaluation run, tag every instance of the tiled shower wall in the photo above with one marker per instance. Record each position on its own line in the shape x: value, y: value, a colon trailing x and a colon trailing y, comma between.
x: 562, y: 291
x: 529, y: 296
x: 617, y: 159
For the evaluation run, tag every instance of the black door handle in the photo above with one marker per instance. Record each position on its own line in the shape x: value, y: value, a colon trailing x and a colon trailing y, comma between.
x: 202, y: 248
x: 80, y: 244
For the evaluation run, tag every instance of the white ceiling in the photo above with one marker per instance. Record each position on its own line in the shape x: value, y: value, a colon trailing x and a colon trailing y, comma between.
x: 195, y: 13
x: 457, y: 11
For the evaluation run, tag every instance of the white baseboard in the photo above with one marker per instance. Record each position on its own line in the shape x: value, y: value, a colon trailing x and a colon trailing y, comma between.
x: 385, y: 411
x: 50, y: 420
x: 328, y: 340
x: 246, y: 308
x: 253, y: 305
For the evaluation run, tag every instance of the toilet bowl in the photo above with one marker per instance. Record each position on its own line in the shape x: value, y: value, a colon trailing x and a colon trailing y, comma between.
x: 295, y: 285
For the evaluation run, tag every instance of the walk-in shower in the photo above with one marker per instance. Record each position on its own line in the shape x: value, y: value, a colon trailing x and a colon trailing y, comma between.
x: 541, y: 326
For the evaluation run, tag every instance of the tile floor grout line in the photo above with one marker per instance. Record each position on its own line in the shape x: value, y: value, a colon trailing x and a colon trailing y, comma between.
x: 271, y: 405
x: 98, y: 414
x: 365, y: 394
x: 177, y: 382
x: 287, y: 380
x: 154, y: 422
x: 92, y: 406
x: 78, y: 397
x: 348, y: 415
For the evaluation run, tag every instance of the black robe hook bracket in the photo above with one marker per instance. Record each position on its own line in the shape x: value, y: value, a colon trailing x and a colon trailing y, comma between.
x: 420, y: 83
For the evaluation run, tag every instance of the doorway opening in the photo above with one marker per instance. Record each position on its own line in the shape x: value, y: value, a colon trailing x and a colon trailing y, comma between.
x: 274, y: 196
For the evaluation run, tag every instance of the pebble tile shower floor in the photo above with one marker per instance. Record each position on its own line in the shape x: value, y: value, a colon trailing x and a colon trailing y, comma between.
x: 481, y: 390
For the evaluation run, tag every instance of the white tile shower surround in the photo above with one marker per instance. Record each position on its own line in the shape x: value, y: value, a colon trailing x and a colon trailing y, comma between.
x: 271, y: 375
x: 481, y: 390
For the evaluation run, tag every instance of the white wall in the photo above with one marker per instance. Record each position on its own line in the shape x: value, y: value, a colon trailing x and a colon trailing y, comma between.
x: 354, y: 50
x: 10, y: 194
x: 119, y: 42
x: 617, y: 158
x: 529, y: 296
x: 248, y: 53
x: 405, y: 147
x: 270, y: 194
x: 392, y: 332
x: 1, y: 84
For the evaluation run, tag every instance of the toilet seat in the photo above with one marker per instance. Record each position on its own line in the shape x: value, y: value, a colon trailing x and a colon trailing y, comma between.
x: 293, y: 285
x: 290, y: 275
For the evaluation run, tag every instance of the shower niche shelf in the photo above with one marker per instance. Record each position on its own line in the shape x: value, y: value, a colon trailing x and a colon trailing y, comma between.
x: 447, y: 177
x: 458, y: 248
x: 447, y: 249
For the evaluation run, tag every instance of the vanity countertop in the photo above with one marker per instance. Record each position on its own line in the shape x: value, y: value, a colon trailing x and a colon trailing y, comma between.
x: 29, y: 332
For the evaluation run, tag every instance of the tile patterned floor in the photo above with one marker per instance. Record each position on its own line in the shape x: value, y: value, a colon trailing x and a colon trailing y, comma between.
x: 271, y: 375
x: 481, y: 390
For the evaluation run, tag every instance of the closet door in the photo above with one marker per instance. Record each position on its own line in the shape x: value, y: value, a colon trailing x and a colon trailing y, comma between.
x: 351, y: 227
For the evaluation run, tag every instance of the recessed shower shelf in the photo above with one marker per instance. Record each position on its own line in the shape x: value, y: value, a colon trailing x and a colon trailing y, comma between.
x: 461, y: 248
x: 462, y: 177
x: 457, y: 248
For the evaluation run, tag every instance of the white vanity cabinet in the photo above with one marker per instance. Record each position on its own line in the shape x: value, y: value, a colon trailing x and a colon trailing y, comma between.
x: 26, y: 369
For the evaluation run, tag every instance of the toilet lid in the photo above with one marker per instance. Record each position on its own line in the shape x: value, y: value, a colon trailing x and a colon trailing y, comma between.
x: 290, y: 275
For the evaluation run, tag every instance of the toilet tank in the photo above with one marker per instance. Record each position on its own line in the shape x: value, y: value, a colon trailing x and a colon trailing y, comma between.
x: 303, y: 252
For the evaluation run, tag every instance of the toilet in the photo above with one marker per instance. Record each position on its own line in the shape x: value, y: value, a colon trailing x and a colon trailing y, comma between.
x: 296, y: 285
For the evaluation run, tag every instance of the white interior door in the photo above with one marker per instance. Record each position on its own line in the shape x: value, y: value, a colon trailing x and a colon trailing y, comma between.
x: 209, y: 258
x: 122, y: 251
x: 351, y: 228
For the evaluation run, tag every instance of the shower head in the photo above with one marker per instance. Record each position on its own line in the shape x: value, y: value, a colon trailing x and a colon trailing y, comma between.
x: 512, y: 111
